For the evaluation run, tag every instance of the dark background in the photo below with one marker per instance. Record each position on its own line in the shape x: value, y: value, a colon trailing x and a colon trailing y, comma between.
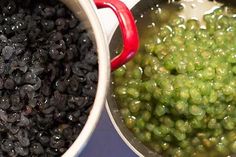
x: 105, y: 141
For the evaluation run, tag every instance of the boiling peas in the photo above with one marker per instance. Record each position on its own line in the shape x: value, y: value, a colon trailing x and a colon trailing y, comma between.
x: 179, y: 95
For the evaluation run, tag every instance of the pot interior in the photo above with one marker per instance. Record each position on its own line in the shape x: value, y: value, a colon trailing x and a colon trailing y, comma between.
x: 115, y: 46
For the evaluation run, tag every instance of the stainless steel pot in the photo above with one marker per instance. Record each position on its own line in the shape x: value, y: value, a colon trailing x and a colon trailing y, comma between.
x: 86, y: 11
x: 139, y: 7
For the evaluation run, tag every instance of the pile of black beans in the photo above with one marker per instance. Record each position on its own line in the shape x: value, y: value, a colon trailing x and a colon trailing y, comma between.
x: 48, y: 78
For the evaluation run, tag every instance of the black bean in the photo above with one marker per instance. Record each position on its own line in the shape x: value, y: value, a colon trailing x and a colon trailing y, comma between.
x: 91, y: 58
x: 7, y: 30
x: 23, y: 138
x: 20, y: 150
x: 9, y: 84
x: 12, y: 118
x: 1, y: 83
x: 4, y: 103
x: 73, y: 23
x: 7, y: 145
x: 1, y: 19
x: 14, y: 129
x: 48, y: 73
x: 24, y: 121
x: 10, y: 8
x: 43, y: 138
x: 61, y: 24
x: 3, y: 38
x: 59, y: 116
x: 57, y: 141
x: 61, y: 12
x: 48, y: 25
x: 49, y: 12
x: 36, y: 148
x: 7, y: 52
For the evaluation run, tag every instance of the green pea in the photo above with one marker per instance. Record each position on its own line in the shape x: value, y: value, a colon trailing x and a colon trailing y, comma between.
x: 135, y: 106
x: 156, y: 147
x: 168, y: 138
x: 181, y: 67
x: 182, y: 126
x: 209, y: 18
x: 181, y: 107
x: 125, y: 112
x: 146, y: 97
x: 169, y: 63
x: 200, y: 148
x: 130, y: 121
x: 150, y: 85
x: 220, y: 147
x: 207, y: 143
x: 228, y: 123
x: 218, y: 12
x: 157, y: 132
x: 177, y: 21
x: 165, y: 145
x: 195, y: 123
x: 179, y: 135
x: 133, y: 92
x: 232, y: 57
x: 150, y: 127
x: 137, y: 73
x: 213, y: 96
x: 121, y: 91
x: 190, y: 67
x: 184, y: 93
x: 184, y: 144
x: 218, y: 131
x: 195, y: 96
x: 195, y: 141
x: 120, y: 72
x: 146, y: 116
x: 148, y: 71
x: 205, y: 88
x: 189, y: 36
x: 212, y: 123
x: 144, y: 137
x: 179, y: 30
x: 209, y: 73
x: 228, y: 90
x: 233, y: 147
x: 165, y: 31
x: 160, y: 110
x: 167, y: 121
x: 147, y: 107
x: 234, y: 69
x: 192, y: 24
x: 202, y: 34
x: 223, y: 22
x: 231, y: 136
x: 140, y: 123
x: 178, y: 152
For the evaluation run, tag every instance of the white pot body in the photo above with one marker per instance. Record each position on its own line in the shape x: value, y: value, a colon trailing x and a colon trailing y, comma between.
x: 85, y: 10
x: 101, y: 25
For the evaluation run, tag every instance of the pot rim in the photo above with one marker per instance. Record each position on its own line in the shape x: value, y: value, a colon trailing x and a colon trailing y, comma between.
x: 103, y: 78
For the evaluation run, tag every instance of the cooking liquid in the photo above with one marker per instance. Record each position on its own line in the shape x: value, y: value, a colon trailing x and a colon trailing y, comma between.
x: 150, y: 21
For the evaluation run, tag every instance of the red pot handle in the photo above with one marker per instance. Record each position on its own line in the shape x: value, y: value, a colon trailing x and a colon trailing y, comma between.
x: 128, y: 29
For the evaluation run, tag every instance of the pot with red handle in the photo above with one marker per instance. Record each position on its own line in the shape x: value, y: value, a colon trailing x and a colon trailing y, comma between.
x: 87, y: 11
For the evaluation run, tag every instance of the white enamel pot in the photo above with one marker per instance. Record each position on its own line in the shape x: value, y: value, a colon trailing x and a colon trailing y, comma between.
x: 87, y: 12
